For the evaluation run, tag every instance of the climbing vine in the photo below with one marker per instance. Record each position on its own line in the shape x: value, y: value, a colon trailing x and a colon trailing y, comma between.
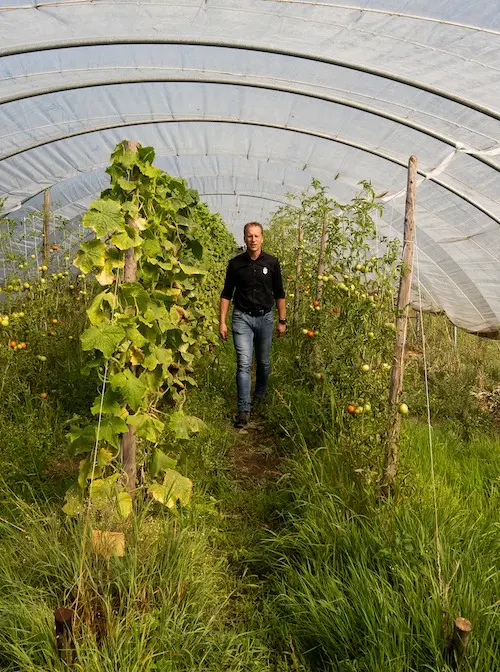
x: 145, y: 333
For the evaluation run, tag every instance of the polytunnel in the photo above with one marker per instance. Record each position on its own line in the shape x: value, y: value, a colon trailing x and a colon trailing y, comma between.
x: 251, y: 99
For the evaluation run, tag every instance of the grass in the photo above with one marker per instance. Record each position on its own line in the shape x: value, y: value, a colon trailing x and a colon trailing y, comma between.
x: 305, y: 571
x: 164, y: 606
x: 359, y: 589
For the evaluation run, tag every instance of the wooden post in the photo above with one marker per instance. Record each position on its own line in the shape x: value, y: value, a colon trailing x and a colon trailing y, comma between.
x: 298, y: 270
x: 455, y: 335
x: 46, y: 225
x: 460, y: 640
x: 128, y: 440
x: 396, y: 385
x: 64, y: 634
x: 322, y: 252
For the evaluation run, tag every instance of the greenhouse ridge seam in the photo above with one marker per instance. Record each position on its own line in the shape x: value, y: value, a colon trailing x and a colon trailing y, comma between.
x: 477, y: 154
x: 62, y: 44
x: 260, y: 124
x: 387, y: 12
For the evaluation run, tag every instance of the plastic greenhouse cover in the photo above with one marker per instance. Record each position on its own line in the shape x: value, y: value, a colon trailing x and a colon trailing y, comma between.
x: 250, y: 99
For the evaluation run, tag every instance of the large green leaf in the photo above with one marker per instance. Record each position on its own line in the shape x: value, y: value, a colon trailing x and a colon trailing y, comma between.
x: 126, y: 239
x: 103, y: 337
x: 82, y: 439
x: 183, y: 425
x: 134, y: 294
x: 84, y: 472
x: 126, y: 185
x: 134, y: 335
x: 131, y: 387
x: 110, y: 430
x: 175, y: 487
x: 146, y: 426
x: 111, y: 404
x: 91, y: 254
x: 104, y: 217
x: 160, y: 462
x: 151, y: 248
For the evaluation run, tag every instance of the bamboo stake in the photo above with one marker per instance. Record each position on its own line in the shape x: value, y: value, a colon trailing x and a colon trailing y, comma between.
x: 460, y: 641
x: 322, y: 252
x: 64, y: 634
x: 298, y: 270
x: 46, y: 225
x: 396, y: 385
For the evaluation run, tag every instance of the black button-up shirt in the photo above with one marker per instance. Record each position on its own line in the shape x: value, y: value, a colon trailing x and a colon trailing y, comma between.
x: 256, y: 284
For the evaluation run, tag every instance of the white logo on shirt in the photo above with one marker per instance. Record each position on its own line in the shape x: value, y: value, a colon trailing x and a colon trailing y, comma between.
x: 264, y: 270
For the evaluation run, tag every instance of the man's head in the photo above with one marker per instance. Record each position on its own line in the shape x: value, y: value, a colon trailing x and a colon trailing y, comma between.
x: 253, y: 236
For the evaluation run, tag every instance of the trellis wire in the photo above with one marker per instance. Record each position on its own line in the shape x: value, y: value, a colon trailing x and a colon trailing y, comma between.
x: 94, y: 461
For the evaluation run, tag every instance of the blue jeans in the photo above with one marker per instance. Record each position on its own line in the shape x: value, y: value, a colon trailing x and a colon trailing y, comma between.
x: 250, y: 332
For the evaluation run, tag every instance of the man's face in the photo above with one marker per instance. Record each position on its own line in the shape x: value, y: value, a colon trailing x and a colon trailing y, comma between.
x: 253, y: 238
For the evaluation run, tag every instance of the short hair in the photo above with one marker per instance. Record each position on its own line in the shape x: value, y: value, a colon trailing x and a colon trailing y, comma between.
x: 248, y: 224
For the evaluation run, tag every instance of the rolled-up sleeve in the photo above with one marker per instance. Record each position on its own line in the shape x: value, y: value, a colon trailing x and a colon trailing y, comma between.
x: 278, y: 290
x: 228, y: 290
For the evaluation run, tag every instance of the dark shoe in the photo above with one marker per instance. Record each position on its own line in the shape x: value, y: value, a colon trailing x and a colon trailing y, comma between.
x: 241, y: 420
x: 257, y: 404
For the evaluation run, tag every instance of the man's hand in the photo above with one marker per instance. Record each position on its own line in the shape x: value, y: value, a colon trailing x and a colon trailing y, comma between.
x: 223, y: 331
x: 281, y: 329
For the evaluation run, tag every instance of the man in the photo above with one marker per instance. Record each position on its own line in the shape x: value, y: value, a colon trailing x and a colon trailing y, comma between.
x: 254, y: 278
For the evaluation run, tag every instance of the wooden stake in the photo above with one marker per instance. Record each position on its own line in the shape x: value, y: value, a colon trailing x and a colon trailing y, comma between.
x: 64, y: 634
x: 298, y: 269
x: 396, y: 386
x: 460, y: 641
x: 128, y: 440
x: 321, y: 258
x: 46, y: 225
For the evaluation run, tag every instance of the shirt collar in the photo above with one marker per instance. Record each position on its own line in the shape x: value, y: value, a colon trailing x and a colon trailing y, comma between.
x: 259, y: 257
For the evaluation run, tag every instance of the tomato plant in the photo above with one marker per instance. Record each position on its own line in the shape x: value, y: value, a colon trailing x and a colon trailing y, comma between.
x: 349, y: 306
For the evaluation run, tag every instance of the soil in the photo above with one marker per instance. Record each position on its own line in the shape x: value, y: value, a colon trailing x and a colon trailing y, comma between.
x: 253, y: 457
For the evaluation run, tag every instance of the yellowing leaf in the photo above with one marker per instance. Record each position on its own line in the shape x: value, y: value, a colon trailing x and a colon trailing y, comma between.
x: 136, y: 356
x: 74, y: 501
x: 96, y: 311
x: 191, y: 270
x: 104, y: 457
x: 124, y: 502
x: 106, y: 276
x: 174, y: 488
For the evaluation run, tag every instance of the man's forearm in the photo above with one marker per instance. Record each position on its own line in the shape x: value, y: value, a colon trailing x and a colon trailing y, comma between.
x: 224, y: 307
x: 281, y: 306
